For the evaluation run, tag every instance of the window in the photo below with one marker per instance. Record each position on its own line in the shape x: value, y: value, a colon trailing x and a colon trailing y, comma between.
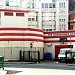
x: 62, y: 27
x: 42, y: 5
x: 1, y: 3
x: 50, y: 5
x: 8, y: 13
x: 29, y: 19
x: 61, y: 19
x: 33, y: 19
x: 15, y: 3
x: 46, y: 5
x: 36, y: 18
x: 59, y: 5
x: 18, y: 0
x: 53, y: 0
x: 7, y: 2
x: 64, y: 5
x: 19, y: 14
x: 74, y: 27
x: 53, y: 5
x: 48, y: 29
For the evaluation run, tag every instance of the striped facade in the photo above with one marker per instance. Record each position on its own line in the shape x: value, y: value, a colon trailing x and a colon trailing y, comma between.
x: 12, y: 40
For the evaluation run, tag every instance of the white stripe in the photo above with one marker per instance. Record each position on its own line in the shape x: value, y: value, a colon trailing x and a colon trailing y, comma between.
x: 15, y: 31
x: 33, y: 37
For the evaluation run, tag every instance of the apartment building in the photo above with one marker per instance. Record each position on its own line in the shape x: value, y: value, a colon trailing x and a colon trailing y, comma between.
x: 31, y: 20
x: 48, y: 15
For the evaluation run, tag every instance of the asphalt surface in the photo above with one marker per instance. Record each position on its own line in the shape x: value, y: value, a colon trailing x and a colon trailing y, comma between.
x: 41, y: 65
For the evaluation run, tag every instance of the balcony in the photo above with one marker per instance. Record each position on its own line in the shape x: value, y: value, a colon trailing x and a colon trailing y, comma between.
x: 32, y: 23
x: 48, y: 22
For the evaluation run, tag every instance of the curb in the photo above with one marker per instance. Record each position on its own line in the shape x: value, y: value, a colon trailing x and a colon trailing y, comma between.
x: 19, y: 62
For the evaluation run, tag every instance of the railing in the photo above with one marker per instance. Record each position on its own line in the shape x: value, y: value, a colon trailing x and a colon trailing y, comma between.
x: 72, y: 57
x: 30, y: 56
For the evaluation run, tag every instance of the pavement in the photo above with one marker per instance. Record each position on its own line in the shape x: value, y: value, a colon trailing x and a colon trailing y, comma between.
x: 3, y: 72
x: 34, y: 71
x: 44, y: 68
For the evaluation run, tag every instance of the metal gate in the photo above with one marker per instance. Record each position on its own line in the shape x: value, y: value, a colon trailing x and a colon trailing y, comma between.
x: 30, y: 56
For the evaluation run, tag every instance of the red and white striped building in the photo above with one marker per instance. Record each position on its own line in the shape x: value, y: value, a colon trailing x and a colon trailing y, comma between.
x: 15, y: 36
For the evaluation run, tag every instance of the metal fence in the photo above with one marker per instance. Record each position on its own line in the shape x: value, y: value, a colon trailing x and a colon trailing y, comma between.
x: 30, y: 56
x: 72, y: 57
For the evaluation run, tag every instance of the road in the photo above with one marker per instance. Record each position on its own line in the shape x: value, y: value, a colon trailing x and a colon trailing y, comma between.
x: 42, y: 65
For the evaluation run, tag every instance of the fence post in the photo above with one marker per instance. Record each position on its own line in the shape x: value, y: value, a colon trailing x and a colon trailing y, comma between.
x: 20, y: 55
x: 66, y: 57
x: 38, y: 56
x: 23, y: 56
x: 71, y: 58
x: 29, y: 55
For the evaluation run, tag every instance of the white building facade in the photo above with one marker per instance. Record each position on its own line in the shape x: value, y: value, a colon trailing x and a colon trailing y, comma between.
x: 48, y: 15
x: 30, y: 18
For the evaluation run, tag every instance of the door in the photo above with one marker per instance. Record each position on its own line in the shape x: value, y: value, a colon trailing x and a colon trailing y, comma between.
x: 7, y: 53
x: 16, y: 53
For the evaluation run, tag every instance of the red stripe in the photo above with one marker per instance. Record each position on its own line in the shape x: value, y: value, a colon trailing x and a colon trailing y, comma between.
x: 51, y: 41
x: 22, y: 29
x: 65, y: 31
x: 14, y: 10
x: 21, y: 39
x: 20, y: 34
x: 59, y: 36
x: 55, y: 41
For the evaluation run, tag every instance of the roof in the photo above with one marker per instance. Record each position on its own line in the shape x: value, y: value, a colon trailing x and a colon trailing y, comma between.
x: 10, y: 10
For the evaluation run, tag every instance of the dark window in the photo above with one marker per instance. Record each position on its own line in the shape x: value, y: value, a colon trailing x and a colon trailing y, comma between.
x: 36, y: 18
x: 42, y: 5
x: 33, y: 19
x: 70, y: 46
x: 8, y: 13
x: 46, y: 5
x: 7, y: 3
x: 53, y: 0
x: 50, y: 29
x: 19, y: 14
x: 46, y: 29
x: 29, y: 19
x: 50, y: 5
x: 64, y: 5
x: 53, y: 5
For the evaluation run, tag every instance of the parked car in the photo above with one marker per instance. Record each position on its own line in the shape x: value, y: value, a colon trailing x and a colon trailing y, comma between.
x: 61, y: 55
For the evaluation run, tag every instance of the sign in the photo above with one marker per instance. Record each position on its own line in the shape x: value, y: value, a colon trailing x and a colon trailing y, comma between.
x: 31, y: 45
x: 63, y: 39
